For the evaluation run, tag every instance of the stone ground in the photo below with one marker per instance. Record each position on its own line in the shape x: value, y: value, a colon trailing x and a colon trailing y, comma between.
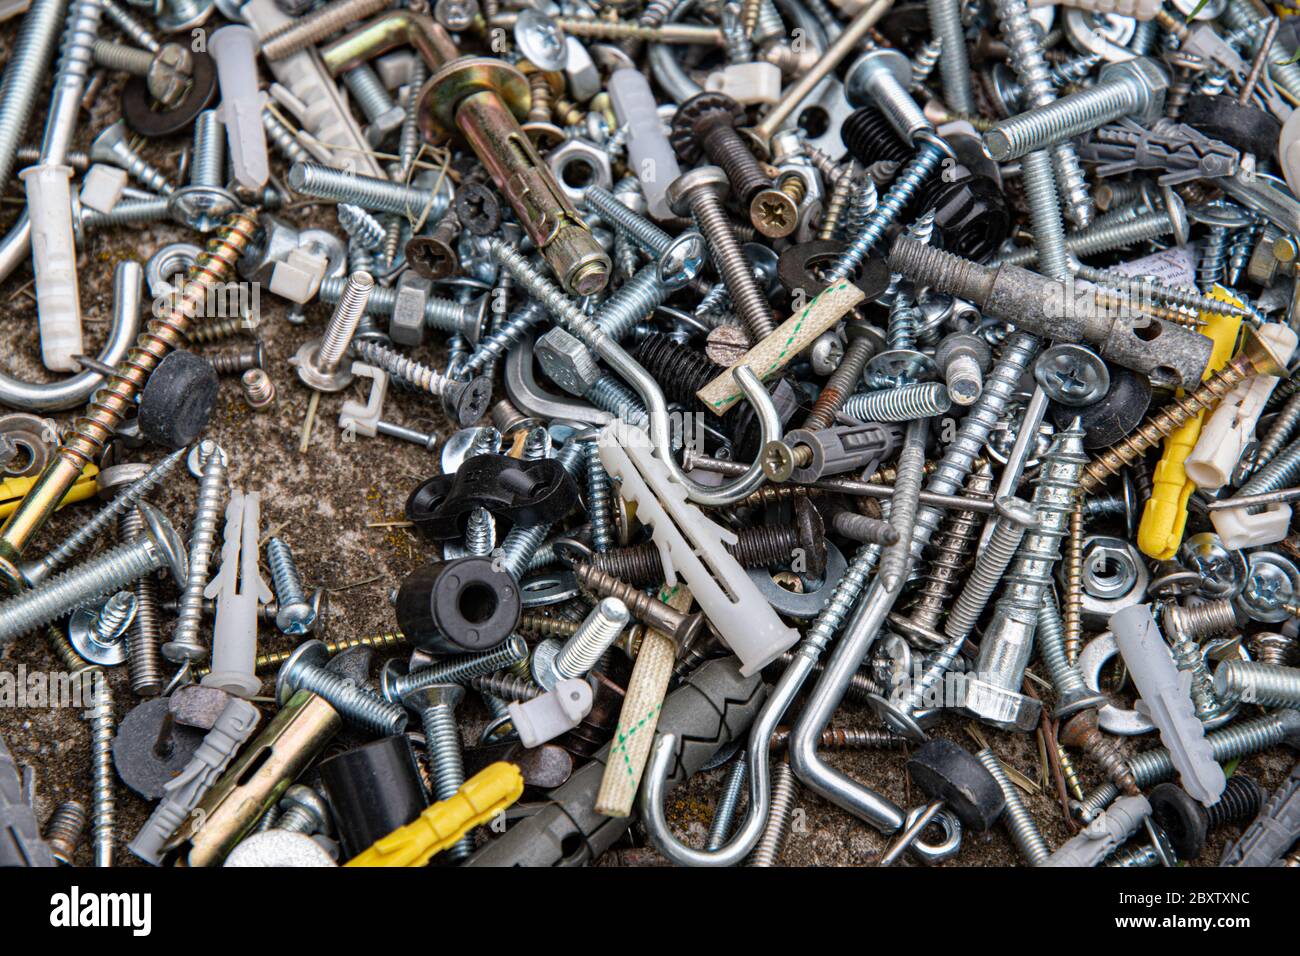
x: 323, y: 503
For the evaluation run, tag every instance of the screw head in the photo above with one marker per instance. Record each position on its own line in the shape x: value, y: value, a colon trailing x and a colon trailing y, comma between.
x: 438, y: 695
x: 773, y: 213
x: 869, y: 69
x: 306, y: 361
x: 778, y: 461
x: 166, y: 540
x: 170, y: 74
x: 1072, y: 375
x: 105, y: 147
x: 202, y: 207
x: 541, y: 41
x: 296, y: 618
x: 542, y: 663
x: 466, y: 402
x: 703, y: 179
x: 682, y: 261
x: 88, y: 644
x: 309, y: 654
x: 305, y: 798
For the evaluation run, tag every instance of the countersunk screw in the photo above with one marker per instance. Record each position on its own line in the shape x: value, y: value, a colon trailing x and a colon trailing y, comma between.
x: 305, y: 670
x: 111, y: 146
x: 295, y: 615
x: 159, y: 546
x: 436, y: 707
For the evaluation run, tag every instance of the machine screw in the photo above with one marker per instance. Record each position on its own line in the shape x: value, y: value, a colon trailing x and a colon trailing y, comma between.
x: 305, y: 670
x: 553, y: 662
x: 460, y: 669
x: 160, y: 546
x: 239, y: 360
x: 302, y: 811
x: 1251, y: 682
x: 64, y: 830
x: 320, y: 362
x: 205, y: 201
x: 321, y: 23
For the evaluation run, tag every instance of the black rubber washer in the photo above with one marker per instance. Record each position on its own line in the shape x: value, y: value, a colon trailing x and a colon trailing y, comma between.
x: 451, y: 607
x: 151, y: 748
x: 178, y: 399
x: 1113, y: 416
x: 1248, y: 129
x: 1183, y: 819
x: 949, y: 773
x: 138, y: 105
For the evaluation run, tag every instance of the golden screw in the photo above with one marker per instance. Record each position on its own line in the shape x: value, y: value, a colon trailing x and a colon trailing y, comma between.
x: 111, y: 402
x: 1255, y: 358
x: 1072, y: 609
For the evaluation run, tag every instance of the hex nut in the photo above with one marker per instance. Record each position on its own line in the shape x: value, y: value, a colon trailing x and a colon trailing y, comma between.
x: 577, y: 165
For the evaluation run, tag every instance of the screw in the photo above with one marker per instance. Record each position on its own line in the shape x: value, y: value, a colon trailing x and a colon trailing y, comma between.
x: 202, y: 204
x: 117, y: 396
x: 464, y: 402
x: 185, y: 644
x: 305, y: 670
x: 239, y: 360
x: 384, y: 116
x: 1251, y: 682
x: 92, y: 579
x: 64, y: 829
x: 319, y: 362
x: 103, y: 802
x: 1018, y: 820
x: 460, y: 668
x: 259, y: 390
x: 862, y: 344
x: 553, y: 662
x: 111, y: 146
x: 453, y: 317
x: 296, y: 615
x: 954, y: 67
x: 303, y: 811
x: 305, y: 31
x: 599, y: 501
x: 919, y: 400
x: 962, y: 358
x: 506, y: 686
x: 681, y: 627
x: 1130, y: 88
x: 523, y: 541
x: 436, y: 706
x: 143, y: 661
x: 28, y: 66
x: 784, y: 790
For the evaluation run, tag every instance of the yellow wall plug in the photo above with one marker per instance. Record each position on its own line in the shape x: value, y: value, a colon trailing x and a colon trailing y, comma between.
x: 479, y: 799
x: 12, y: 490
x: 1165, y: 515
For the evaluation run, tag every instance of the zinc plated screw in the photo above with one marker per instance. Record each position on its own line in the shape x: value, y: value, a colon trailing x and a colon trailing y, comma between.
x: 203, y: 203
x: 307, y: 30
x: 436, y: 707
x: 384, y: 116
x: 954, y: 67
x: 159, y: 546
x: 103, y: 802
x: 553, y: 662
x: 1072, y: 694
x: 129, y: 25
x: 28, y: 66
x: 295, y: 615
x: 724, y: 813
x: 1019, y: 822
x: 185, y: 644
x: 1240, y: 739
x: 320, y: 362
x: 34, y: 572
x: 459, y: 669
x: 443, y: 314
x: 144, y: 663
x: 506, y: 686
x: 863, y: 342
x: 368, y: 192
x: 1130, y: 88
x: 111, y: 146
x: 600, y: 500
x: 302, y: 811
x: 1111, y: 236
x: 520, y: 544
x: 464, y: 402
x: 1251, y: 682
x: 918, y: 400
x: 305, y: 670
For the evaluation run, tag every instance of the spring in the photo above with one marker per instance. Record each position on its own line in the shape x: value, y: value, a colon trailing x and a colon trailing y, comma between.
x: 869, y: 138
x: 918, y: 400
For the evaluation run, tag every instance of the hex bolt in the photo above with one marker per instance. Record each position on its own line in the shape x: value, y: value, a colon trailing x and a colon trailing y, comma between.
x: 305, y: 670
x: 464, y: 402
x: 458, y: 669
x: 700, y: 193
x: 320, y: 362
x: 553, y: 662
x: 111, y: 146
x: 1129, y: 88
x: 64, y: 830
x: 1251, y: 682
x: 159, y: 547
x: 212, y: 464
x: 681, y: 627
x: 384, y: 116
x: 302, y: 810
x: 436, y: 707
x: 295, y: 614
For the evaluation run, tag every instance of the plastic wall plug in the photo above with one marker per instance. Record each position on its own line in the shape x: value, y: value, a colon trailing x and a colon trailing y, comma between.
x: 54, y: 261
x: 238, y: 587
x: 235, y: 50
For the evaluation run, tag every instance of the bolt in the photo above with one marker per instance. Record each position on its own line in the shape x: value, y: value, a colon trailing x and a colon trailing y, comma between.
x: 305, y: 670
x: 553, y: 662
x: 320, y: 362
x: 1251, y: 682
x: 1018, y: 820
x: 160, y: 546
x: 1130, y: 88
x: 385, y: 116
x: 962, y: 358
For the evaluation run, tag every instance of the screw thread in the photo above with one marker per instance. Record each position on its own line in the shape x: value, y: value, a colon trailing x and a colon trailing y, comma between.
x: 600, y: 501
x: 1268, y: 685
x: 592, y: 639
x: 368, y: 90
x: 990, y: 566
x: 463, y: 667
x: 284, y: 573
x: 907, y: 403
x: 64, y: 830
x: 368, y: 192
x: 608, y: 207
x: 492, y: 348
x: 724, y: 814
x: 505, y: 685
x: 103, y: 802
x: 185, y: 643
x: 343, y: 323
x: 752, y: 307
x: 1017, y: 819
x: 306, y: 30
x: 1241, y: 799
x: 1050, y: 636
x: 784, y: 790
x: 359, y: 704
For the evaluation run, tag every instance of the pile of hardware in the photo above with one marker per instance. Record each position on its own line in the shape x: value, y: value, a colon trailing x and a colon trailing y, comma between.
x: 924, y: 360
